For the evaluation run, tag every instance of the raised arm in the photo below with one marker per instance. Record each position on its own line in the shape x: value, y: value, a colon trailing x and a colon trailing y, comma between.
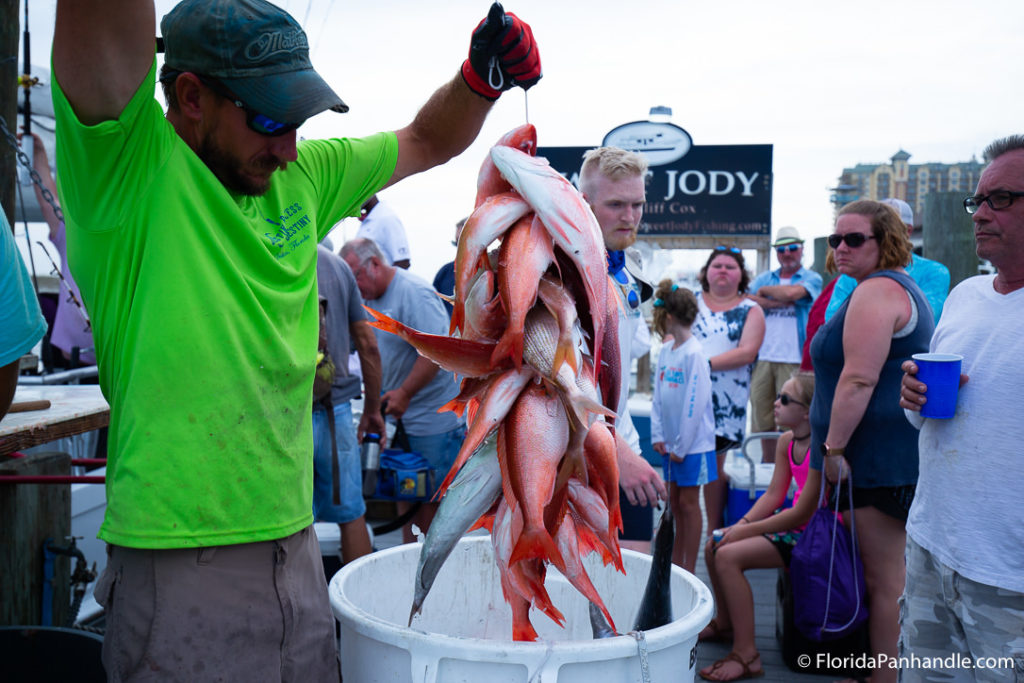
x: 502, y: 55
x: 102, y: 50
x: 41, y: 165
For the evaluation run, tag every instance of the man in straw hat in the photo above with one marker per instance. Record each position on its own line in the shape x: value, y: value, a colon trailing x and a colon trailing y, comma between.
x: 193, y: 240
x: 786, y: 295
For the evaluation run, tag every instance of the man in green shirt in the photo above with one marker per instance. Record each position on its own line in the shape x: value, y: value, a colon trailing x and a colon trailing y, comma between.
x: 193, y: 240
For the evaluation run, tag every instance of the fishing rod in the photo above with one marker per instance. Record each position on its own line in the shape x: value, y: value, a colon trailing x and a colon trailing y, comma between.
x: 24, y: 178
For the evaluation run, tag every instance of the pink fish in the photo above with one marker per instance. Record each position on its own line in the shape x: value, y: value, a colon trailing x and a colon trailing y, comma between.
x: 610, y: 376
x: 489, y: 181
x: 526, y: 252
x: 486, y: 224
x: 485, y: 318
x: 574, y: 570
x: 603, y: 468
x: 539, y: 343
x: 531, y: 442
x: 523, y: 580
x: 593, y: 512
x: 569, y: 220
x: 562, y: 307
x: 500, y: 394
x: 461, y: 356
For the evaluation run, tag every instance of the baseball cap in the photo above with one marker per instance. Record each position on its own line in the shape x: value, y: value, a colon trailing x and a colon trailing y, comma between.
x: 256, y: 49
x: 902, y: 208
x: 787, y: 235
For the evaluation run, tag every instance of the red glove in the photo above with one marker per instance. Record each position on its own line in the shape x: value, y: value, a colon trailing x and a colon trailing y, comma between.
x: 502, y: 54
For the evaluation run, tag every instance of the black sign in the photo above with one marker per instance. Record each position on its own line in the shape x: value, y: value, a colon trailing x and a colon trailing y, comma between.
x: 712, y: 190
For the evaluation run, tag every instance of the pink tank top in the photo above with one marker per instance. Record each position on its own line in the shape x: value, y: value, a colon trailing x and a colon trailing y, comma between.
x: 799, y: 471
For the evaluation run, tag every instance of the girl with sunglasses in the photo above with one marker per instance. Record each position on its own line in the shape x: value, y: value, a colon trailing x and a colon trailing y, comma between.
x: 859, y: 430
x: 730, y: 327
x: 764, y: 537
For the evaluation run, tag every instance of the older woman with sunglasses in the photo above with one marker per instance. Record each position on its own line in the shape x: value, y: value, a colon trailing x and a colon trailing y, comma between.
x: 730, y: 327
x: 859, y: 431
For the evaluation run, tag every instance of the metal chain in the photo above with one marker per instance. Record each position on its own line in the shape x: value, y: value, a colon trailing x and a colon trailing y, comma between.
x: 22, y: 158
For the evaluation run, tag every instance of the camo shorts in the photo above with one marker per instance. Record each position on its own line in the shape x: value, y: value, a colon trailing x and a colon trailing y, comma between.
x: 955, y: 629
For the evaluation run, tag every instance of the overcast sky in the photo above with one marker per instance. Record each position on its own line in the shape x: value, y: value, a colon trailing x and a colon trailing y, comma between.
x: 828, y: 84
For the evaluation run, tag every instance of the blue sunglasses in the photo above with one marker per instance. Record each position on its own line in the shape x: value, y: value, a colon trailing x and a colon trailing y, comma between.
x: 631, y: 296
x: 731, y: 250
x: 262, y: 124
x: 783, y: 248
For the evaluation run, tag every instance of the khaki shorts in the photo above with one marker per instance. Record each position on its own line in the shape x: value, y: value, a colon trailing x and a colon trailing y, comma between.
x: 765, y: 384
x: 247, y: 612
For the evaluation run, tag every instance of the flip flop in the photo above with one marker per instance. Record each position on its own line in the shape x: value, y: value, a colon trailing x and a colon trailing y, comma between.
x: 733, y: 657
x: 717, y: 635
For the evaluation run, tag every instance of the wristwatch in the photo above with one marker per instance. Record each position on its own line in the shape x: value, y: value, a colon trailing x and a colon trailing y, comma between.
x: 832, y: 450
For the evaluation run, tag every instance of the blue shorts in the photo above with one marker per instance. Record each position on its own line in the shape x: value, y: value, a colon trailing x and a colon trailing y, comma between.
x: 440, y: 450
x: 695, y: 469
x: 351, y: 469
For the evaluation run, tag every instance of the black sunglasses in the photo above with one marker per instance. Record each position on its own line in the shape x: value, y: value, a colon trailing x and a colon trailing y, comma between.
x: 783, y: 248
x: 262, y: 124
x: 731, y: 250
x: 786, y: 399
x: 852, y: 239
x: 997, y: 201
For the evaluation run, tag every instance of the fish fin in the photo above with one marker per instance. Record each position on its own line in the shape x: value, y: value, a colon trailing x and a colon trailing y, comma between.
x: 537, y: 543
x: 456, y: 405
x: 510, y: 345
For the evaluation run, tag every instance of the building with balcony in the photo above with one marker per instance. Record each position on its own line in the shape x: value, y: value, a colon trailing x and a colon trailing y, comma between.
x: 903, y: 180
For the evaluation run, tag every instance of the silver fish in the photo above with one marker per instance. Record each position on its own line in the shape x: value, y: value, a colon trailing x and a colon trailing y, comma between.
x: 474, y: 490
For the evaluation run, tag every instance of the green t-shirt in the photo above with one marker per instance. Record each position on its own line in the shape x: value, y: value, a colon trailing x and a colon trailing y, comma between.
x: 204, y: 311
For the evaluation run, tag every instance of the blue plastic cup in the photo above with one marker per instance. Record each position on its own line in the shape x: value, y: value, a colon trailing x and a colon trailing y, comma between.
x: 941, y: 374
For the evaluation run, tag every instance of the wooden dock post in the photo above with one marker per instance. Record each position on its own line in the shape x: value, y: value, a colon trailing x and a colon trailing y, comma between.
x: 30, y: 514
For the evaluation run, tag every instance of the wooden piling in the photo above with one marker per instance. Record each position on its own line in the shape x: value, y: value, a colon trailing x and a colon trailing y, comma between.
x: 30, y: 514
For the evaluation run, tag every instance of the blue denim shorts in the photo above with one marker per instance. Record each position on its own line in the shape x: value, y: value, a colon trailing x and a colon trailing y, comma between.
x: 351, y: 470
x: 440, y: 450
x: 694, y: 470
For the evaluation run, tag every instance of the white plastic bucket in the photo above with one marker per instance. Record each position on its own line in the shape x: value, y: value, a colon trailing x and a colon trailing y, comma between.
x: 464, y: 633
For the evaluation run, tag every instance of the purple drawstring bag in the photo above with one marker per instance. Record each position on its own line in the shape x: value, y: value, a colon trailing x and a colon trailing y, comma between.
x: 829, y: 594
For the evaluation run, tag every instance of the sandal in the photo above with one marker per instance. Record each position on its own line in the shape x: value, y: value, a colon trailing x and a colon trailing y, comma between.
x: 717, y: 634
x: 733, y: 657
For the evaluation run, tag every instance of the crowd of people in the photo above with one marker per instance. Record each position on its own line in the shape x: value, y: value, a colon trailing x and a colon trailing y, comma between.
x: 202, y: 329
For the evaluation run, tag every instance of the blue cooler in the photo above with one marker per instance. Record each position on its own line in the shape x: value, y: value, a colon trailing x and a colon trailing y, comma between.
x: 748, y: 479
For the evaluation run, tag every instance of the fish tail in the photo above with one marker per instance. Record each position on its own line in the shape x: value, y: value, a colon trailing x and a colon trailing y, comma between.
x: 564, y: 353
x: 540, y: 597
x: 383, y: 322
x: 510, y: 345
x: 458, y: 317
x: 583, y: 404
x: 537, y: 542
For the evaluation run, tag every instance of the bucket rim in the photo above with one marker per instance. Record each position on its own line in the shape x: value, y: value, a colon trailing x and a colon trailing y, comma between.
x: 622, y: 646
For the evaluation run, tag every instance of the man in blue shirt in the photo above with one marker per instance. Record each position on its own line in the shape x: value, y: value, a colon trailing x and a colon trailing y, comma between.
x: 931, y: 276
x: 786, y: 295
x: 21, y: 322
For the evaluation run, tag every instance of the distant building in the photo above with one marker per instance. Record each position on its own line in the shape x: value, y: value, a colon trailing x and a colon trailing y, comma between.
x: 906, y: 181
